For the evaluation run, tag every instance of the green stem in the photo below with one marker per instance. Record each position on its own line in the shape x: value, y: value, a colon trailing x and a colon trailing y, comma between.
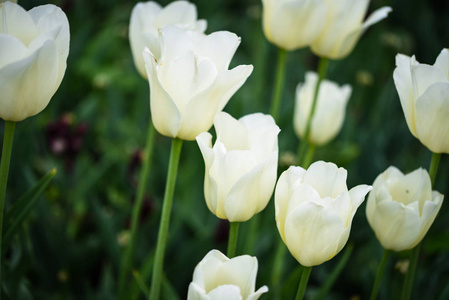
x: 380, y: 273
x: 279, y: 85
x: 278, y: 266
x: 434, y: 166
x: 408, y: 284
x: 232, y: 241
x: 4, y: 170
x: 309, y: 156
x: 165, y: 218
x: 303, y: 283
x: 127, y: 259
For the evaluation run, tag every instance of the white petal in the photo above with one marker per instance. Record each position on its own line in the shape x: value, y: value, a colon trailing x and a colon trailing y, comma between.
x: 377, y: 16
x: 181, y: 13
x: 204, y: 141
x: 326, y: 178
x: 205, y: 274
x: 442, y: 62
x: 196, y: 292
x: 231, y: 132
x: 225, y: 292
x: 256, y: 295
x: 17, y: 22
x: 219, y: 46
x: 12, y: 49
x: 240, y: 271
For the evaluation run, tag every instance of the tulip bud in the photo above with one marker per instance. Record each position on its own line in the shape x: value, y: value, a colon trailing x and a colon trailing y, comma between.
x: 329, y: 113
x: 146, y: 20
x: 344, y: 27
x: 218, y: 277
x: 291, y: 25
x: 34, y: 48
x: 190, y: 82
x: 401, y: 208
x: 241, y: 167
x: 314, y: 211
x: 424, y: 93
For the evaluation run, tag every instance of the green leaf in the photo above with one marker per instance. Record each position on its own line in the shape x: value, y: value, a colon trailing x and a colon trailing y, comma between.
x: 20, y: 209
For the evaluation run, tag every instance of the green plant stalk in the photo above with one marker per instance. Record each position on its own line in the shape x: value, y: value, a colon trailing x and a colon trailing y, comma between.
x: 232, y: 240
x: 322, y: 68
x: 379, y: 275
x: 335, y: 273
x: 127, y: 258
x: 309, y: 156
x: 279, y: 85
x: 408, y: 284
x: 303, y: 283
x: 278, y: 266
x: 156, y: 280
x: 4, y: 170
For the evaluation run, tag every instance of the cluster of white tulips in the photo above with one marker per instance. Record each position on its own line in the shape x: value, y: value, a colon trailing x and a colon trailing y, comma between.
x: 191, y: 83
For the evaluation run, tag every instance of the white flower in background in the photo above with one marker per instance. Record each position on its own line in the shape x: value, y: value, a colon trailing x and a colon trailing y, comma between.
x: 34, y: 46
x: 401, y: 208
x: 329, y: 112
x: 146, y: 20
x: 424, y: 93
x: 293, y: 24
x: 190, y: 82
x: 241, y: 168
x: 314, y: 211
x: 344, y: 27
x: 217, y: 277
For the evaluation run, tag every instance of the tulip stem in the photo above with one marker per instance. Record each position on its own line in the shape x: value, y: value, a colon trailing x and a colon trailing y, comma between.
x: 434, y: 166
x: 232, y: 240
x: 379, y: 275
x: 303, y: 283
x: 322, y: 68
x: 156, y: 279
x: 4, y: 170
x: 127, y: 258
x: 278, y: 265
x: 279, y: 85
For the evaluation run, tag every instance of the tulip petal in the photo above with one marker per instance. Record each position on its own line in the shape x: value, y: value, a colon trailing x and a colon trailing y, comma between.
x: 15, y: 15
x: 164, y: 113
x: 442, y: 62
x: 225, y: 292
x: 313, y: 234
x: 205, y: 274
x: 181, y: 13
x: 231, y: 132
x: 27, y: 85
x: 256, y: 295
x: 357, y: 195
x: 326, y: 178
x: 432, y: 109
x: 424, y: 76
x: 12, y: 49
x: 240, y: 271
x: 204, y: 141
x: 196, y: 293
x: 256, y: 184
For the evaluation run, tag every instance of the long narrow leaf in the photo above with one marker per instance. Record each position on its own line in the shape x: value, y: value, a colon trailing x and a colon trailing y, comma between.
x: 20, y: 209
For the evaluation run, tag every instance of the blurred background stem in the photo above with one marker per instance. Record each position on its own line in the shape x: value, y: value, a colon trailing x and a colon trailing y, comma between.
x: 380, y: 272
x: 127, y: 258
x: 4, y: 170
x: 279, y: 85
x: 232, y: 241
x: 156, y: 280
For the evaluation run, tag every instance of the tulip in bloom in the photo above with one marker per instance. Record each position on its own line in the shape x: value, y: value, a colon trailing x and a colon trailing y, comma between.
x: 424, y: 93
x: 401, y: 208
x: 146, y: 20
x: 217, y: 277
x: 34, y: 48
x: 293, y: 24
x: 329, y: 112
x: 241, y: 167
x: 314, y: 211
x: 190, y: 82
x: 344, y: 27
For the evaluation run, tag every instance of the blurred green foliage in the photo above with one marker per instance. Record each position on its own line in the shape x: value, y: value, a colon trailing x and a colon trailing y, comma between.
x: 70, y: 245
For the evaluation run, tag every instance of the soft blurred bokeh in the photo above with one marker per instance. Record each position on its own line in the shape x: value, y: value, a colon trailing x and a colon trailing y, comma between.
x: 94, y: 131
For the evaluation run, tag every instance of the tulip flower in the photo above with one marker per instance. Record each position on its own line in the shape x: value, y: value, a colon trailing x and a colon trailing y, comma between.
x: 241, y: 167
x: 424, y: 93
x: 190, y: 83
x: 401, y: 208
x: 344, y: 27
x: 146, y: 20
x: 329, y: 113
x: 314, y: 211
x: 217, y: 277
x: 34, y: 48
x: 293, y: 24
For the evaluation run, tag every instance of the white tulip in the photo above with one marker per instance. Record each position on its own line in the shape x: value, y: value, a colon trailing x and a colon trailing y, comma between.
x: 344, y: 27
x: 146, y: 20
x: 217, y: 277
x: 424, y: 93
x: 34, y: 48
x: 329, y: 112
x: 293, y: 24
x: 190, y: 82
x: 314, y: 211
x: 401, y: 208
x: 241, y: 167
